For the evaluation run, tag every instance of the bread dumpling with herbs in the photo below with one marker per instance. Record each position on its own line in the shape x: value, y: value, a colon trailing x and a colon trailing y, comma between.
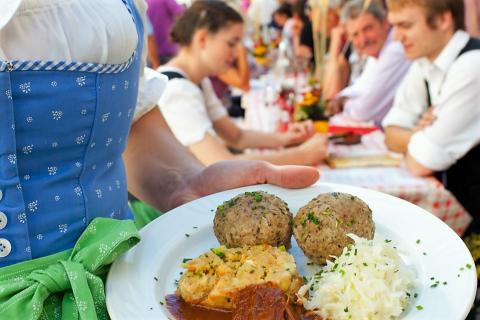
x: 253, y: 218
x: 321, y: 226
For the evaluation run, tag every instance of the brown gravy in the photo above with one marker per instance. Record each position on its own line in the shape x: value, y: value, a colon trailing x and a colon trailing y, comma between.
x: 253, y: 303
x: 181, y: 310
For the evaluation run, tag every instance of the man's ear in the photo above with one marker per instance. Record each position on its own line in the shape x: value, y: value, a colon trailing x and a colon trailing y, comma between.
x: 199, y: 38
x: 445, y: 21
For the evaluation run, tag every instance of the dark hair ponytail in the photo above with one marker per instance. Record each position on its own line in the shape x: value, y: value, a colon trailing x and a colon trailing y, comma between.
x: 212, y: 15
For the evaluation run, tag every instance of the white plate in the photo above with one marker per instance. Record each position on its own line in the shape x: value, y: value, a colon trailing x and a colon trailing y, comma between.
x: 142, y: 277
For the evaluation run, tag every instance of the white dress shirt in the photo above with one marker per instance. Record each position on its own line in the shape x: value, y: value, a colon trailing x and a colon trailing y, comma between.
x: 371, y: 96
x: 190, y: 110
x: 76, y: 31
x: 455, y: 92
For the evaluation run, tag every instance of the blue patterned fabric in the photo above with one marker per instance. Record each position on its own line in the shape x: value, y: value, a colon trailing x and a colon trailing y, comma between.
x: 63, y: 128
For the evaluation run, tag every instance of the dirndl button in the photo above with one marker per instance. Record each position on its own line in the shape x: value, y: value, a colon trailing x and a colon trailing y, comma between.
x: 5, y: 248
x: 1, y: 195
x: 3, y: 220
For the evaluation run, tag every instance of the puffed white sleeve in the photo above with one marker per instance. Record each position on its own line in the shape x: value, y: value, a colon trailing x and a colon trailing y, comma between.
x: 151, y: 83
x: 150, y: 89
x: 184, y: 108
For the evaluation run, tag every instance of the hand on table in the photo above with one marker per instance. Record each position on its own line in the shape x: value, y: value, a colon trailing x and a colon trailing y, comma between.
x: 299, y: 132
x: 426, y: 120
x: 225, y: 175
x: 314, y: 150
x: 335, y: 106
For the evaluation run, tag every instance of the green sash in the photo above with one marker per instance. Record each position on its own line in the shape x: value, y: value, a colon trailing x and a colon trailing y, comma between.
x: 69, y: 284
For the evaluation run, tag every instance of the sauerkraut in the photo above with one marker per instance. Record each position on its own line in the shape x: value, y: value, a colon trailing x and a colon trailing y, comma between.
x: 368, y: 281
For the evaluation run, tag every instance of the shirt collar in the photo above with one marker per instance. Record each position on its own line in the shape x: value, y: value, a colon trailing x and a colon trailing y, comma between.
x: 449, y: 53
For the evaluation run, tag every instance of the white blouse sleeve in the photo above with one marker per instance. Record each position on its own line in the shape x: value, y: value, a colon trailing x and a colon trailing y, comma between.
x: 150, y: 89
x: 184, y: 108
x: 215, y: 108
x: 151, y: 83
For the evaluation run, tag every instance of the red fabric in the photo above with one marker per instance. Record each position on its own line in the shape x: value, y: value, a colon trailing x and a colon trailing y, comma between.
x: 355, y: 130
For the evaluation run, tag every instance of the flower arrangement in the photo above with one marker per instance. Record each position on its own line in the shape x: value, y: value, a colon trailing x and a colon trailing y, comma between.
x: 311, y: 107
x: 260, y: 52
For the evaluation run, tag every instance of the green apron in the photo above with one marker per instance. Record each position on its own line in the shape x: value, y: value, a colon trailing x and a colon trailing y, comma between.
x: 69, y: 284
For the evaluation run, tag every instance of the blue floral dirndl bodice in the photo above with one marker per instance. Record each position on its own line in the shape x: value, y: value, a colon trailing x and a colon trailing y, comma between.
x: 63, y: 129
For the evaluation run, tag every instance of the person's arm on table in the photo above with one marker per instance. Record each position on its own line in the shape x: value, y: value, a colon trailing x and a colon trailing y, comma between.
x: 211, y: 150
x: 240, y: 139
x: 416, y: 168
x: 164, y: 174
x: 397, y: 138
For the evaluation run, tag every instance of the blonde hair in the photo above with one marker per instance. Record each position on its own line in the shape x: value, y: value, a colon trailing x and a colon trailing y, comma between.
x: 433, y: 8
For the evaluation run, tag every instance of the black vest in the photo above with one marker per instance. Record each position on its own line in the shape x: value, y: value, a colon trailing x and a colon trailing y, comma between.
x: 463, y: 178
x: 173, y: 75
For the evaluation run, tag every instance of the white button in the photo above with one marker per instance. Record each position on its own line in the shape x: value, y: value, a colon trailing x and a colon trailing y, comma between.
x: 5, y: 248
x: 1, y: 195
x: 3, y: 220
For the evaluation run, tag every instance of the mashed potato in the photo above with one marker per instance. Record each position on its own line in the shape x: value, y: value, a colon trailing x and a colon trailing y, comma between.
x: 368, y: 281
x: 216, y: 276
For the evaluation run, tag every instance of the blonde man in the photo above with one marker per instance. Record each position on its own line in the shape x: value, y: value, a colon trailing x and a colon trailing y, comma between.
x: 435, y: 119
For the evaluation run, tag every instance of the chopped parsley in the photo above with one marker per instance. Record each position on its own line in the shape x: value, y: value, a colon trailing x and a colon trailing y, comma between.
x: 311, y: 217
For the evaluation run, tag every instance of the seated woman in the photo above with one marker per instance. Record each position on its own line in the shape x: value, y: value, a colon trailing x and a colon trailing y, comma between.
x: 208, y: 34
